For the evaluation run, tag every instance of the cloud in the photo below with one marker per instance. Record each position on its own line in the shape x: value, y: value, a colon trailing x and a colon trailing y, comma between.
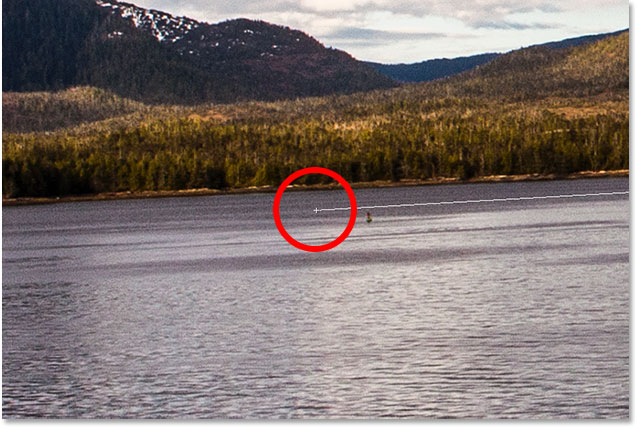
x: 493, y: 9
x: 354, y: 34
x: 507, y: 25
x: 475, y: 14
x: 388, y: 30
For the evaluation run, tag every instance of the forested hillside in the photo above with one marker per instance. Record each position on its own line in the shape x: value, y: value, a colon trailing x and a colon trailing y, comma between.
x: 433, y: 69
x: 47, y: 111
x: 537, y: 72
x: 156, y: 58
x: 536, y: 110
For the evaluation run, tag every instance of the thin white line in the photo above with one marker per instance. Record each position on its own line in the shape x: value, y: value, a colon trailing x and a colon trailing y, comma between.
x: 476, y: 201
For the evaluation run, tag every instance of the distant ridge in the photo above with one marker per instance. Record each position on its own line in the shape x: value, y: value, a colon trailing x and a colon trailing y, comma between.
x: 431, y: 69
x: 443, y: 67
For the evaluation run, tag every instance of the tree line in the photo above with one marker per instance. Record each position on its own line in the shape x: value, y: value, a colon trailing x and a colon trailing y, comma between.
x: 183, y: 153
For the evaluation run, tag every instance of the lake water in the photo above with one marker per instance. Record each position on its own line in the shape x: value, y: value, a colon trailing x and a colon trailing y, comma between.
x: 198, y: 308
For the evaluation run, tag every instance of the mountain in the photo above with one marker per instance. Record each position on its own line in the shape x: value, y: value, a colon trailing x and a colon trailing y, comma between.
x: 598, y: 69
x: 154, y: 57
x: 577, y: 41
x: 438, y: 68
x: 532, y: 111
x: 432, y: 69
x: 583, y: 70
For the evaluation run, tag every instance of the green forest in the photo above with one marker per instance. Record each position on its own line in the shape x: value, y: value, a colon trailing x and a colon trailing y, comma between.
x: 191, y: 153
x: 526, y: 112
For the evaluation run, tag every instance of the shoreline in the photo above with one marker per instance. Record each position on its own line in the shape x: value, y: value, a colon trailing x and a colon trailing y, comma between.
x: 146, y: 194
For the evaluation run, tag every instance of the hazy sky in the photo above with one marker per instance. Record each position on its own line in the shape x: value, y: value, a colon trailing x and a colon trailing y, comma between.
x: 392, y: 31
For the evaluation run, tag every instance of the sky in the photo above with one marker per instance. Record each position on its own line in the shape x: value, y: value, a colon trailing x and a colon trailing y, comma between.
x: 407, y: 31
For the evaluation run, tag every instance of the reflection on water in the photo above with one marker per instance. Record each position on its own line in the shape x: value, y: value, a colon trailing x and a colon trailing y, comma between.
x: 196, y: 307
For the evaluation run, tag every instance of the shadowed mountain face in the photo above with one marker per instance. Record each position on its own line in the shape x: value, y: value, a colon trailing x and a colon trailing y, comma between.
x: 155, y: 57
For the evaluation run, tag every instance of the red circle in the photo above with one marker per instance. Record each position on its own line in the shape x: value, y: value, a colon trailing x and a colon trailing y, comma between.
x: 277, y: 202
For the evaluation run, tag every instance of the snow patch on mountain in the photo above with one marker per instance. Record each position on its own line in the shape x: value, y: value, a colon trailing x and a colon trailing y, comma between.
x: 163, y: 26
